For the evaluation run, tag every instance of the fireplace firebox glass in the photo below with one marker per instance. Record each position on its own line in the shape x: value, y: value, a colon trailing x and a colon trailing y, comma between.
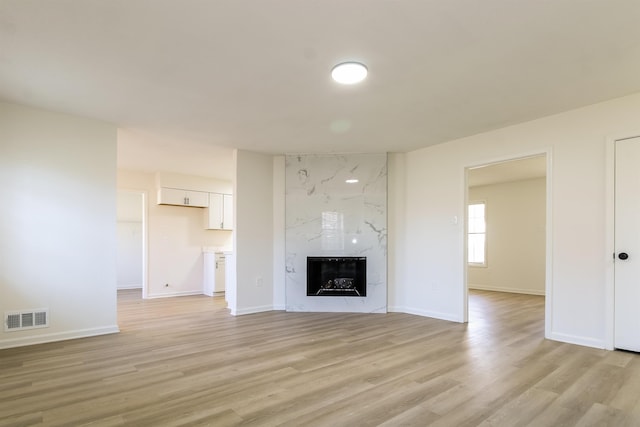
x: 337, y: 276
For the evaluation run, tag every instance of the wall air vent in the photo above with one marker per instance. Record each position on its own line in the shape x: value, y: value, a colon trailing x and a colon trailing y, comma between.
x: 26, y: 319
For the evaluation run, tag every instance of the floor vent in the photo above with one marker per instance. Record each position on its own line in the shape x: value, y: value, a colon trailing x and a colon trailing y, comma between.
x: 26, y: 319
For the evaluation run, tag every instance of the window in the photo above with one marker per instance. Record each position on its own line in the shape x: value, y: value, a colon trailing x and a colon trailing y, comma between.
x: 477, y: 237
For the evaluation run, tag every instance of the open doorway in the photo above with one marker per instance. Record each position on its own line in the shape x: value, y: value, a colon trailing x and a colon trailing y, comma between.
x: 506, y: 237
x: 131, y: 241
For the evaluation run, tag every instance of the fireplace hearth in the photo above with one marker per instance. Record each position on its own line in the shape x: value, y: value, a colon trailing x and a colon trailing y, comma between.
x: 337, y: 276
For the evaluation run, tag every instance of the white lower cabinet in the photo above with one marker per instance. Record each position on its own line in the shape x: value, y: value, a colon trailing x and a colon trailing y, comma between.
x: 214, y: 273
x: 209, y: 273
x: 220, y: 273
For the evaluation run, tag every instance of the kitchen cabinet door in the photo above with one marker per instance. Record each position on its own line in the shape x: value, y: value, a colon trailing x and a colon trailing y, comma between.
x: 219, y: 215
x: 227, y: 212
x: 179, y: 197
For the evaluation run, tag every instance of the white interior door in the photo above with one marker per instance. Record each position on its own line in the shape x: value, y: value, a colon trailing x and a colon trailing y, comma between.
x: 627, y: 244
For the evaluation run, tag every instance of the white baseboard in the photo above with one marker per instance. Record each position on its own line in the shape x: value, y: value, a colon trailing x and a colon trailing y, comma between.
x: 130, y: 287
x: 174, y: 294
x: 511, y: 290
x: 251, y: 310
x: 425, y: 313
x: 58, y: 336
x: 295, y: 309
x: 578, y: 340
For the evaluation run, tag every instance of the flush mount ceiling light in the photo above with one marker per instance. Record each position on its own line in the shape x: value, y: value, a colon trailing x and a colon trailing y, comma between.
x: 349, y: 73
x: 351, y: 181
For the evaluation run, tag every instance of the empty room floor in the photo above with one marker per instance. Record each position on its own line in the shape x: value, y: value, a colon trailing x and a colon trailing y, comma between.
x: 186, y: 361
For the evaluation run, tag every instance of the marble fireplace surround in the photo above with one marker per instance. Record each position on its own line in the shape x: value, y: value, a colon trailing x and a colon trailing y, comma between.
x: 329, y: 217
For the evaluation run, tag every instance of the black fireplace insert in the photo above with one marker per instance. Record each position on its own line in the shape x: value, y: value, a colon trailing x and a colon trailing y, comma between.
x: 337, y: 276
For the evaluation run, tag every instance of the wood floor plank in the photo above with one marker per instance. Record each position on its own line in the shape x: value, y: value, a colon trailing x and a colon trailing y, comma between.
x: 602, y: 415
x: 186, y: 362
x: 521, y: 410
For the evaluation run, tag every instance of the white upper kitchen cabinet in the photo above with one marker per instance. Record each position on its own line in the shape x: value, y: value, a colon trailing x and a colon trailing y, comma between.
x: 178, y: 197
x: 219, y: 214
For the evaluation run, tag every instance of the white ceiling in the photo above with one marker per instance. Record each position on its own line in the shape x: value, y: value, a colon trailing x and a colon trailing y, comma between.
x: 255, y: 75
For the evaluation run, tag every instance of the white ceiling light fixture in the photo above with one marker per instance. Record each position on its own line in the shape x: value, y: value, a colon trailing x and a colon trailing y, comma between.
x: 351, y: 181
x: 348, y: 73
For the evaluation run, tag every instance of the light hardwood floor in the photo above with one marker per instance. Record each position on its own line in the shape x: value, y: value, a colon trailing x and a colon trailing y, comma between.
x: 185, y: 361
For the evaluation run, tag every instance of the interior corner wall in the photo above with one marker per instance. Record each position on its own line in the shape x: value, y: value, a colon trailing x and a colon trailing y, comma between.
x: 279, y: 295
x: 515, y: 218
x: 396, y: 209
x: 434, y: 269
x: 57, y: 223
x: 253, y: 235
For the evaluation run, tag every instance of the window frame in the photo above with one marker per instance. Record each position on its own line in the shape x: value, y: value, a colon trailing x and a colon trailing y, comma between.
x: 484, y: 263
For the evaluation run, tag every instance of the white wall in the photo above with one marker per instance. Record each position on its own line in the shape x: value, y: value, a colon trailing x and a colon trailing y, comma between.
x: 57, y: 223
x: 254, y: 233
x: 434, y: 271
x: 192, y: 182
x: 515, y: 218
x: 176, y: 234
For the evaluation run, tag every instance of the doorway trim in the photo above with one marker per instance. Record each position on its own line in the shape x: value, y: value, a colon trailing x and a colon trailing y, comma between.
x: 548, y: 153
x: 610, y: 189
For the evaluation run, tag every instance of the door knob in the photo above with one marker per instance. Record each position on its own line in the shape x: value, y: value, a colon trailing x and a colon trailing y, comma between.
x: 623, y: 255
